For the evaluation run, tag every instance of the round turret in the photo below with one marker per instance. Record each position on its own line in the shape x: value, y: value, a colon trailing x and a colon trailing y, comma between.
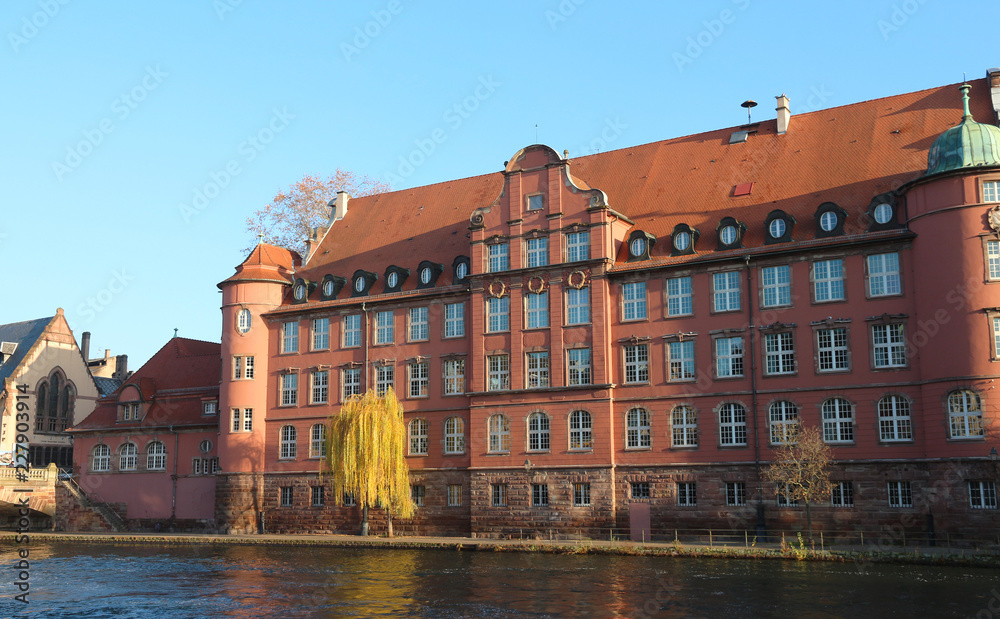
x: 968, y: 144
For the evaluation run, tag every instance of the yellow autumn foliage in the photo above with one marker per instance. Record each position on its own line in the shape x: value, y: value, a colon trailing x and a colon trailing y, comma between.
x: 367, y: 453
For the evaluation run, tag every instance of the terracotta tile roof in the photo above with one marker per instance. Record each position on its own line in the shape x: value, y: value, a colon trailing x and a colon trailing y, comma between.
x: 174, y: 380
x: 846, y: 155
x: 267, y: 263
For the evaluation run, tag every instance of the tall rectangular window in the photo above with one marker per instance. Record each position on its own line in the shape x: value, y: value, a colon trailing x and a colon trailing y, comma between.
x: 419, y: 430
x: 894, y: 423
x: 888, y: 346
x: 996, y: 337
x: 289, y: 389
x: 318, y: 496
x: 982, y: 495
x: 900, y: 494
x: 883, y: 275
x: 497, y: 314
x: 499, y: 495
x: 286, y: 496
x: 832, y: 349
x: 681, y: 360
x: 779, y: 352
x: 777, y: 286
x: 726, y: 291
x: 991, y: 191
x: 454, y: 495
x: 352, y: 330
x: 320, y: 333
x: 636, y: 364
x: 454, y: 376
x: 993, y: 259
x: 581, y: 495
x: 577, y: 246
x: 729, y: 357
x: 290, y: 337
x: 828, y: 280
x: 732, y: 425
x: 454, y: 320
x: 351, y: 382
x: 497, y: 372
x: 418, y: 324
x: 498, y: 258
x: 538, y: 370
x: 679, y: 298
x: 247, y: 420
x: 577, y: 306
x: 538, y: 252
x: 419, y: 379
x: 242, y: 367
x: 538, y: 310
x: 320, y: 387
x: 385, y: 379
x: 684, y: 426
x: 539, y: 495
x: 634, y: 301
x: 842, y: 494
x: 579, y: 366
x: 384, y: 327
x: 687, y: 494
x: 736, y: 493
x: 838, y: 421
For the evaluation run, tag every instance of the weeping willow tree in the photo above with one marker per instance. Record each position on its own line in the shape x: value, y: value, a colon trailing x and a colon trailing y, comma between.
x: 367, y: 455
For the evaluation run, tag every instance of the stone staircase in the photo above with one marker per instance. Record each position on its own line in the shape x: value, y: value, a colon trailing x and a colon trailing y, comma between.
x: 88, y: 514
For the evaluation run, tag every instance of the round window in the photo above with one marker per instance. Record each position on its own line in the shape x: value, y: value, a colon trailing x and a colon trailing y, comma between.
x: 392, y: 280
x: 425, y: 275
x: 205, y: 446
x: 638, y: 246
x: 300, y: 292
x: 828, y: 221
x: 777, y: 228
x: 462, y: 270
x: 328, y: 288
x: 883, y: 213
x: 728, y: 235
x: 243, y: 320
x: 359, y: 284
x: 682, y: 240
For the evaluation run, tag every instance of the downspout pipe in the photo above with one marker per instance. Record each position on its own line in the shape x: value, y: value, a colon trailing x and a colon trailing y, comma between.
x: 367, y: 377
x: 761, y: 528
x: 173, y: 498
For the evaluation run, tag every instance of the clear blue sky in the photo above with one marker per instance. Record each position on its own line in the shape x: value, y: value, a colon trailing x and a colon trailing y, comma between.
x: 116, y: 113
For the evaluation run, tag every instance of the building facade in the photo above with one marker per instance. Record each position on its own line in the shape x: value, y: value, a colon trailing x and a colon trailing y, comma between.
x: 577, y: 342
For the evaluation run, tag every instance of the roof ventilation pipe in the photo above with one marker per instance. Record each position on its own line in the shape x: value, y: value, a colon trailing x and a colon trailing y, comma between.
x: 784, y: 114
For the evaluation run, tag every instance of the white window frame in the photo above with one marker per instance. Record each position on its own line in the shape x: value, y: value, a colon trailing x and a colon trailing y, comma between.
x: 895, y: 423
x: 318, y: 496
x: 419, y: 330
x: 581, y: 494
x: 128, y: 457
x: 537, y: 252
x: 828, y: 280
x: 637, y: 429
x: 535, y: 202
x: 833, y: 351
x: 454, y: 495
x: 537, y: 310
x: 419, y: 436
x: 726, y: 291
x: 454, y: 320
x: 729, y: 357
x: 635, y: 364
x: 497, y: 258
x: 537, y: 369
x: 983, y: 494
x: 320, y: 328
x: 419, y: 375
x: 384, y: 327
x: 577, y: 246
x: 101, y: 462
x: 732, y: 425
x: 838, y: 421
x: 350, y: 383
x: 499, y: 492
x: 454, y: 376
x: 991, y: 191
x: 965, y: 415
x: 680, y: 361
x: 883, y: 275
x: 352, y: 331
x: 385, y: 378
x: 497, y: 372
x: 287, y: 448
x: 577, y: 306
x: 156, y: 456
x: 581, y: 431
x: 776, y: 286
x: 317, y: 441
x: 889, y: 346
x: 539, y: 495
x: 993, y: 260
x: 289, y: 389
x: 290, y: 336
x: 687, y: 494
x: 684, y: 426
x: 634, y: 301
x: 498, y: 428
x: 779, y: 353
x: 736, y: 493
x: 538, y: 432
x: 842, y: 494
x: 680, y: 298
x: 454, y: 436
x: 497, y: 314
x: 319, y: 387
x: 900, y: 494
x: 783, y: 419
x: 578, y: 367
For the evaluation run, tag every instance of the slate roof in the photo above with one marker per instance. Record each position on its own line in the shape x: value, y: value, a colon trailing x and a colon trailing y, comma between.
x: 107, y: 386
x: 173, y: 381
x: 846, y: 155
x: 24, y: 334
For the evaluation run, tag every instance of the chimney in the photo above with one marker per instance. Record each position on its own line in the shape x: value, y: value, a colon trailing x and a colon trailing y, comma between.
x: 85, y: 345
x: 784, y: 114
x: 993, y: 81
x: 121, y: 367
x: 339, y: 205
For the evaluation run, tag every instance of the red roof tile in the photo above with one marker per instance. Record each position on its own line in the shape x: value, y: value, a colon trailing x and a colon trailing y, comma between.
x: 267, y: 263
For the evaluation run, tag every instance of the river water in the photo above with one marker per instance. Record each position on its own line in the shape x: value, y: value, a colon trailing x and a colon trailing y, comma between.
x: 151, y: 582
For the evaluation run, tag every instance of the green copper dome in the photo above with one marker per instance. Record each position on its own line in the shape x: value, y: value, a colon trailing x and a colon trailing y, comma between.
x: 968, y: 144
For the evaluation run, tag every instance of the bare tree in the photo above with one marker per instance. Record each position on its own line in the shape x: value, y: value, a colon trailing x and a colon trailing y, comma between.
x: 286, y: 221
x: 801, y: 468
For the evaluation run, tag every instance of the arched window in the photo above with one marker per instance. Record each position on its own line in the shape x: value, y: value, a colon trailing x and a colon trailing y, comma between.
x: 317, y: 441
x: 732, y: 424
x: 538, y: 432
x: 838, y: 421
x: 894, y: 422
x: 784, y: 423
x: 101, y: 462
x: 419, y: 429
x: 684, y: 424
x: 66, y: 407
x: 454, y: 435
x: 41, y: 406
x: 55, y: 386
x: 287, y: 446
x: 499, y: 431
x: 156, y: 456
x: 127, y: 456
x: 637, y: 428
x: 965, y: 414
x: 581, y: 430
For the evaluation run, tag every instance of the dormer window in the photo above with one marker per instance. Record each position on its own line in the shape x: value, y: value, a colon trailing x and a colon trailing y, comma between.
x: 130, y: 411
x: 362, y: 282
x: 683, y: 240
x: 779, y: 227
x: 331, y: 287
x: 395, y: 277
x: 460, y: 269
x: 640, y: 244
x: 882, y: 213
x: 428, y: 273
x: 300, y: 291
x: 730, y: 233
x: 830, y: 220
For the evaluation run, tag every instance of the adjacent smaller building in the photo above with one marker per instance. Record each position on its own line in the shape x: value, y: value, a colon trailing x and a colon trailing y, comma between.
x: 151, y: 445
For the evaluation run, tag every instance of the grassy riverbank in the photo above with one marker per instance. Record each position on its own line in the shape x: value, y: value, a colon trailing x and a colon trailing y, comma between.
x: 794, y: 551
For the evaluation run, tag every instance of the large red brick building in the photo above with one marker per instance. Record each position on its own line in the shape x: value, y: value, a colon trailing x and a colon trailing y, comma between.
x: 573, y: 337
